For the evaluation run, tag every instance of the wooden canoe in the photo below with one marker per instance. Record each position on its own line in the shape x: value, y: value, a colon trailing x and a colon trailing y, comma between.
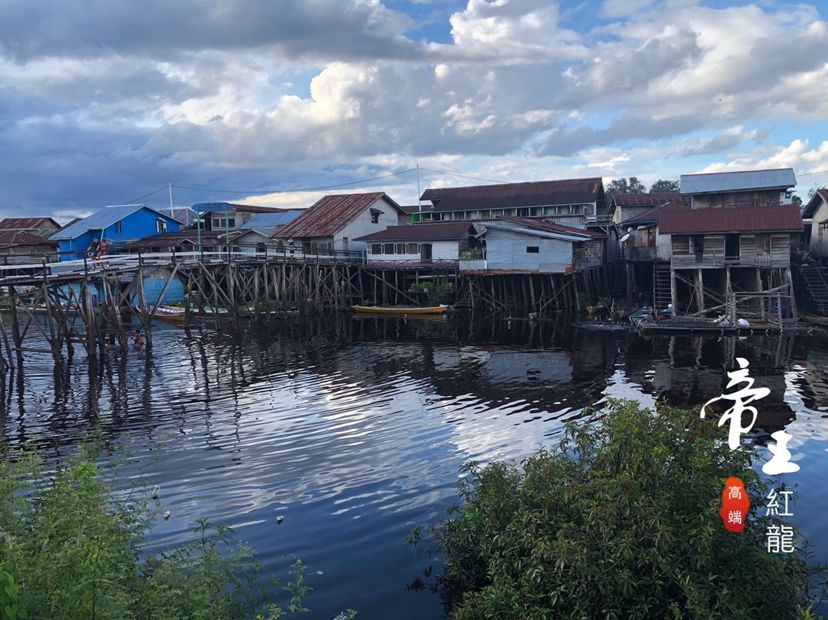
x: 399, y: 309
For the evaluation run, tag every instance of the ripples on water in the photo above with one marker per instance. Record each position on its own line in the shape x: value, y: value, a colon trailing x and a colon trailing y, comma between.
x: 355, y: 429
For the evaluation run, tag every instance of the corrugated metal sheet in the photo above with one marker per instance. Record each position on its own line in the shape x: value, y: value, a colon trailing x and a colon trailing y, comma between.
x: 509, y: 195
x: 17, y: 223
x: 330, y: 214
x: 430, y: 231
x: 732, y: 220
x: 11, y: 238
x: 103, y: 218
x: 737, y: 181
x: 272, y: 220
x: 220, y: 207
x: 549, y: 226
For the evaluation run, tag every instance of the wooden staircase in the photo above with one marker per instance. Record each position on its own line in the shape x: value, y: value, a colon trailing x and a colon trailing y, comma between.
x: 617, y: 279
x: 662, y: 295
x: 816, y: 281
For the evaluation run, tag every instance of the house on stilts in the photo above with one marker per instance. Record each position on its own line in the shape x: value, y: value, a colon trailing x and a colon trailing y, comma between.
x: 724, y: 250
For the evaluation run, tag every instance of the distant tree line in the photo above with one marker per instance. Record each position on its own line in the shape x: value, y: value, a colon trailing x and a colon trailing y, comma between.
x: 633, y: 185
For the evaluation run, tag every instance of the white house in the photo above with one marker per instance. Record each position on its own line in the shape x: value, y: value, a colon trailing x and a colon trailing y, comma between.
x: 334, y: 223
x: 815, y: 216
x: 524, y: 244
x: 431, y: 242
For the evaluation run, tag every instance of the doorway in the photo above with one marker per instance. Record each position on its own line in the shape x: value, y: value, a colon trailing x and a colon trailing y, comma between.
x: 425, y: 252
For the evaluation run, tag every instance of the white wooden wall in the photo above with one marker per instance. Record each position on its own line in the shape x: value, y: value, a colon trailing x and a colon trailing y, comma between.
x: 362, y: 225
x: 507, y: 250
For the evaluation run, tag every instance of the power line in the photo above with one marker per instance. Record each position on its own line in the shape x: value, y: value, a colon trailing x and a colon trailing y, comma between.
x: 807, y: 174
x: 135, y: 200
x: 301, y: 189
x: 462, y: 176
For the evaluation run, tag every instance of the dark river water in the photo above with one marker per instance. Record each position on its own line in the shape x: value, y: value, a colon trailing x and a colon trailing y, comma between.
x: 355, y: 430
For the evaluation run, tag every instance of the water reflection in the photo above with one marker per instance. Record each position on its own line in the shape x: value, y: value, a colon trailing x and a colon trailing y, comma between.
x: 354, y: 429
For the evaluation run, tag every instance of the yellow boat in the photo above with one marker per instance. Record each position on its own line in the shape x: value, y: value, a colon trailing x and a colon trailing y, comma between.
x: 400, y: 309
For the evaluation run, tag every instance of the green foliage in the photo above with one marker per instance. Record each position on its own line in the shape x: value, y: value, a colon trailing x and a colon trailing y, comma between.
x: 472, y: 254
x: 626, y: 186
x: 69, y: 550
x: 664, y: 185
x: 620, y: 522
x: 438, y: 291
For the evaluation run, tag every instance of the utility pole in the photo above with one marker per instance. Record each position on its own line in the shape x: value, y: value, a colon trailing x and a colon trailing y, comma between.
x: 172, y: 210
x: 419, y: 202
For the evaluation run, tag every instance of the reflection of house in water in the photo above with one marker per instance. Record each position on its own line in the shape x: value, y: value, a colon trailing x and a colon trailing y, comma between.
x: 687, y: 371
x: 811, y: 377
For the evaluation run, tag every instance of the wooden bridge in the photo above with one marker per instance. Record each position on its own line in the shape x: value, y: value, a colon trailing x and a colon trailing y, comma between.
x: 96, y: 303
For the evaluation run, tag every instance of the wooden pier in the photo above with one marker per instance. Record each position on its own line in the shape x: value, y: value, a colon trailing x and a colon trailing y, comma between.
x: 95, y: 304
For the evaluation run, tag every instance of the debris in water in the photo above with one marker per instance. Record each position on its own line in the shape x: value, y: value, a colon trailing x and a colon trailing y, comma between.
x: 280, y: 518
x: 155, y: 491
x: 167, y: 515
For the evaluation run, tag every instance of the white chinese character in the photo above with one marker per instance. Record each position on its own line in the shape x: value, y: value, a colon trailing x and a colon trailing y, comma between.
x: 741, y: 403
x: 772, y: 507
x: 734, y: 492
x: 734, y: 516
x: 780, y: 539
x: 780, y: 463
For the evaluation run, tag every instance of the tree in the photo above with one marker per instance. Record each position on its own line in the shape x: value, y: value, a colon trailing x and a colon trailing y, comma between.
x: 664, y: 185
x: 797, y: 200
x: 625, y: 186
x: 621, y: 521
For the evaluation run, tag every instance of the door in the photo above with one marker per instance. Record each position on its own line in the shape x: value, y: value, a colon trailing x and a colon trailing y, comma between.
x: 345, y: 244
x: 425, y: 252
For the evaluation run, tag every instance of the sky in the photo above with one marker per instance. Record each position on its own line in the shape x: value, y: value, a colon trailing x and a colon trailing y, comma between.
x: 267, y: 101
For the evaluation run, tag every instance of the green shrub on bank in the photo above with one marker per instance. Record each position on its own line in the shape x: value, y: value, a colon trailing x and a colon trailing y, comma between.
x: 621, y: 522
x: 69, y: 550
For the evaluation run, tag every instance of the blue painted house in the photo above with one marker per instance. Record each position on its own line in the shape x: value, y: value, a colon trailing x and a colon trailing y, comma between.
x: 118, y: 225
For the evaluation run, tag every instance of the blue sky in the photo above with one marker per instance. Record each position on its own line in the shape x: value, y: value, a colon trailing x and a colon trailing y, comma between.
x: 241, y: 97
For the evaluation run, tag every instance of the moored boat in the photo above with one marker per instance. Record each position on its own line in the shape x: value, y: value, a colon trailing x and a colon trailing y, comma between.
x: 400, y: 309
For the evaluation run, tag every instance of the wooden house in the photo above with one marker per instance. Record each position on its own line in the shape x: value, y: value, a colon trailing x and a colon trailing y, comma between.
x: 815, y: 218
x: 228, y: 215
x: 40, y: 226
x: 257, y: 235
x: 426, y: 243
x: 730, y: 251
x: 21, y: 247
x: 527, y: 245
x: 573, y: 202
x: 185, y: 240
x: 118, y: 225
x: 334, y: 223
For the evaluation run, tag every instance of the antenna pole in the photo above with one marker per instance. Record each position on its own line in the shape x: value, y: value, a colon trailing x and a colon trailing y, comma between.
x: 172, y: 211
x: 419, y: 202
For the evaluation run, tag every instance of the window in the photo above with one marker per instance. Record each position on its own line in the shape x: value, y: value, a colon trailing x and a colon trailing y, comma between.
x: 160, y: 226
x: 413, y: 248
x: 376, y: 248
x: 532, y: 249
x: 375, y: 214
x: 216, y: 222
x: 400, y: 248
x: 119, y: 228
x: 388, y: 248
x: 231, y: 222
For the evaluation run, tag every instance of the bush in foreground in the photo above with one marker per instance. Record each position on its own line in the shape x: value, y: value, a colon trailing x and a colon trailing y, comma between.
x: 620, y: 522
x: 69, y: 550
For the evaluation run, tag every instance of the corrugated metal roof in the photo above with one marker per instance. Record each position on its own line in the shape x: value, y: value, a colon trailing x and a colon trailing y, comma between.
x: 784, y: 218
x: 429, y: 231
x: 737, y: 181
x: 646, y: 200
x: 409, y: 209
x: 174, y: 238
x: 10, y: 238
x: 549, y: 225
x: 330, y: 213
x: 272, y: 220
x: 509, y: 195
x: 18, y: 223
x: 215, y: 207
x: 103, y: 218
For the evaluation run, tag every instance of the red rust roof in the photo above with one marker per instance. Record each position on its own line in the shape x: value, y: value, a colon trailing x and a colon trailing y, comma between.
x: 429, y: 231
x: 542, y: 224
x: 18, y: 223
x: 330, y: 214
x: 654, y: 215
x: 782, y: 218
x: 11, y: 238
x: 508, y: 195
